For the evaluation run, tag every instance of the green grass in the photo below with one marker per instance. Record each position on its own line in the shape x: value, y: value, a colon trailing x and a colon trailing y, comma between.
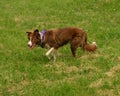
x: 29, y: 73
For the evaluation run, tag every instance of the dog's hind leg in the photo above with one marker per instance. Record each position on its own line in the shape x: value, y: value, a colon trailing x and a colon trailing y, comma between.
x: 75, y: 43
x: 73, y: 49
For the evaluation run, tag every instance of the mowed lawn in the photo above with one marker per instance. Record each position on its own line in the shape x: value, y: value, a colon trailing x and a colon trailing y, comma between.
x: 25, y: 72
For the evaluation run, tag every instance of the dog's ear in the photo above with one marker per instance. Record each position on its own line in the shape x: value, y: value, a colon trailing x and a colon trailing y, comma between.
x: 36, y: 31
x: 28, y: 33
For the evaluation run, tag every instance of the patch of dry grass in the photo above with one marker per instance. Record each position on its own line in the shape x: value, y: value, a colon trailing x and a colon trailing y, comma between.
x: 112, y: 72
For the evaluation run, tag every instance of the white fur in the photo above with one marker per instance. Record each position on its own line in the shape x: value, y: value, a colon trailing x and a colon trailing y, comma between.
x: 54, y: 53
x: 30, y: 43
x: 94, y: 43
x: 40, y: 35
x: 49, y: 51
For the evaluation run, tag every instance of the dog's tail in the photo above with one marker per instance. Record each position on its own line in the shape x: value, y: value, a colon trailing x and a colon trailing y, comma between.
x: 91, y: 47
x: 88, y: 47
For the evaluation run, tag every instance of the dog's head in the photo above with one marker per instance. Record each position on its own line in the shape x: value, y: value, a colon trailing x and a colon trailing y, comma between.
x: 34, y: 38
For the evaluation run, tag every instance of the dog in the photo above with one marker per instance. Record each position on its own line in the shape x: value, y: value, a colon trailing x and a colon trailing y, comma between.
x: 55, y: 38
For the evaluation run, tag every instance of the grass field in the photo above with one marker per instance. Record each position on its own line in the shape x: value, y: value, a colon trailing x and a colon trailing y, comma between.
x: 29, y: 73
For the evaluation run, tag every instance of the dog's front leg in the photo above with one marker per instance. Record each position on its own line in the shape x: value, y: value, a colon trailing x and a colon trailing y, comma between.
x: 54, y: 53
x: 49, y: 52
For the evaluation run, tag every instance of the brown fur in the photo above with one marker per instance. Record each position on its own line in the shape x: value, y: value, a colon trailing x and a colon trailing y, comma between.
x: 58, y: 37
x: 90, y: 47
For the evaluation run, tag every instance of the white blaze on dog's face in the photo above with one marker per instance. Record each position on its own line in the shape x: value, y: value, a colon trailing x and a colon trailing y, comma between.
x: 30, y: 39
x: 30, y: 42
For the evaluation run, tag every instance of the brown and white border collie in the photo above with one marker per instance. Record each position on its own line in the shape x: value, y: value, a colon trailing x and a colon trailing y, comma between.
x: 56, y: 38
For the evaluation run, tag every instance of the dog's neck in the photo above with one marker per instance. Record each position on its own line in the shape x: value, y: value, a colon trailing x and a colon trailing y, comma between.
x: 42, y: 37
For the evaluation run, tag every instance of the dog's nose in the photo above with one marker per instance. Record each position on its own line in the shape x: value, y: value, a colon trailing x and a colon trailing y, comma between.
x: 28, y: 45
